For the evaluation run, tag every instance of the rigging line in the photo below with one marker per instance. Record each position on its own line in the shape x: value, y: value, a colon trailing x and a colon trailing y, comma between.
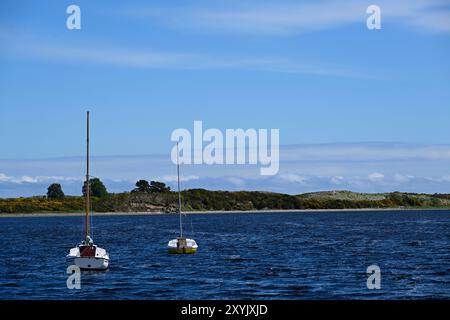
x: 181, y: 188
x: 82, y: 227
x: 192, y: 226
x: 91, y: 220
x: 185, y: 213
x: 90, y: 216
x: 180, y: 185
x: 179, y: 192
x: 82, y: 216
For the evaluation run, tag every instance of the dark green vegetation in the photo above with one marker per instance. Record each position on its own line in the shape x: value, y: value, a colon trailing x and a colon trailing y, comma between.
x: 97, y: 188
x: 55, y: 192
x: 162, y: 200
x: 152, y: 187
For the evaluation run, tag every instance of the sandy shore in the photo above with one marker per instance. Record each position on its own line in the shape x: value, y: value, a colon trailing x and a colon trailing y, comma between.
x: 53, y: 214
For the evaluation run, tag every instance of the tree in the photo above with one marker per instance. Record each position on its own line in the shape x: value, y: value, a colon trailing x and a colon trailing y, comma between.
x: 54, y: 191
x: 158, y: 187
x: 142, y: 186
x: 97, y: 188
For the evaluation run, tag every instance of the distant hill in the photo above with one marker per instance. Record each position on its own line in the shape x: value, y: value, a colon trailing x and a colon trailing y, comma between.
x: 346, y: 195
x: 206, y: 200
x: 422, y: 198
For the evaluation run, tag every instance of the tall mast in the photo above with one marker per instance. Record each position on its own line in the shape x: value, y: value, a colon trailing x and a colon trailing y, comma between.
x: 179, y: 192
x: 87, y: 231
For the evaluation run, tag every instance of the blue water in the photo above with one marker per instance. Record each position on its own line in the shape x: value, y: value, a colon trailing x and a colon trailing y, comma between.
x: 241, y: 256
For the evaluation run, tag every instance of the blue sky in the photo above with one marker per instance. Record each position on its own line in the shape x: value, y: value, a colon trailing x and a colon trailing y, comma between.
x: 144, y: 68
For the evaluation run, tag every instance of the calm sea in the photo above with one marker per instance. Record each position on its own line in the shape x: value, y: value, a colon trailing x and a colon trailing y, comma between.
x: 321, y: 255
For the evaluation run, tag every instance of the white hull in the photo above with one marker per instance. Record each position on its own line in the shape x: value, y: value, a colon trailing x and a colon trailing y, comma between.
x: 98, y: 261
x: 89, y: 263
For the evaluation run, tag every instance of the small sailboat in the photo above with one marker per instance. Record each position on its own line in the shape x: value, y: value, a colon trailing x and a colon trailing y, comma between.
x: 181, y: 245
x: 87, y: 255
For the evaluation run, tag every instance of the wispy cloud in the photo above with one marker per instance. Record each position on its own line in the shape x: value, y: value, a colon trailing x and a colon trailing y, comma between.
x: 401, y: 178
x: 29, y: 46
x: 376, y: 177
x: 367, y: 151
x: 292, y: 177
x: 433, y: 21
x: 292, y: 17
x: 174, y: 178
x: 365, y: 167
x: 337, y: 180
x: 36, y: 179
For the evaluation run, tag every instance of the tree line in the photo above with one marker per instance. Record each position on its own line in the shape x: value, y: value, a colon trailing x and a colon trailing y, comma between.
x: 155, y: 196
x: 98, y: 189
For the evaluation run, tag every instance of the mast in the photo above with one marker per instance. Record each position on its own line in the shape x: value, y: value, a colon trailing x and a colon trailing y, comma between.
x: 87, y: 230
x: 179, y: 192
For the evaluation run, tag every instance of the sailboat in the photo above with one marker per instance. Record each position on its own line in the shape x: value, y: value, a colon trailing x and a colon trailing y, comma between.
x: 87, y: 255
x: 181, y: 245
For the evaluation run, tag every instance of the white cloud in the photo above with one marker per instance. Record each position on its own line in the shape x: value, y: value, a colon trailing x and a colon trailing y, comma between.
x: 292, y: 177
x: 4, y: 177
x: 337, y: 180
x: 402, y: 178
x: 27, y: 179
x: 376, y: 177
x: 59, y: 178
x: 173, y: 178
x: 36, y: 179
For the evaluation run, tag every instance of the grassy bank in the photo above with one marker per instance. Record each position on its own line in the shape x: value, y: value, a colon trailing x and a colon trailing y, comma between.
x: 205, y: 200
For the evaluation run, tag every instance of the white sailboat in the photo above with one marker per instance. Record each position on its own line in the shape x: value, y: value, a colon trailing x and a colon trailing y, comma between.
x: 87, y: 255
x: 181, y: 245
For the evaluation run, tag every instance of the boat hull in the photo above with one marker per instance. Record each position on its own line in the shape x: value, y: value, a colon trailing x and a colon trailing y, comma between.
x: 89, y: 263
x: 183, y: 250
x: 182, y: 246
x: 88, y: 257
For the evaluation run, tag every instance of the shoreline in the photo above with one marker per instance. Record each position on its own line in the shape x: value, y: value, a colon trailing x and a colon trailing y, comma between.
x: 77, y: 214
